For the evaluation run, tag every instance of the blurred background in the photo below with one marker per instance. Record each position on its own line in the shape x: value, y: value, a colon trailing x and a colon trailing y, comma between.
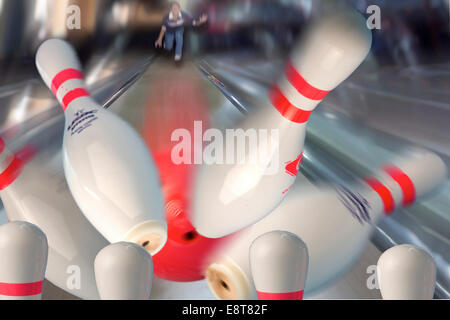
x: 398, y: 98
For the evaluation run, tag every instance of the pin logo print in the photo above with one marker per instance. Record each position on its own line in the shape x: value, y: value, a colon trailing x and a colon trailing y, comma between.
x: 83, y: 119
x: 355, y: 203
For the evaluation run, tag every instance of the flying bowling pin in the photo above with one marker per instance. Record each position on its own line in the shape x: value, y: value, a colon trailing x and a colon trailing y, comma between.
x: 232, y: 196
x: 38, y: 193
x: 406, y: 272
x: 23, y: 258
x: 124, y: 271
x: 279, y: 263
x: 108, y: 167
x: 335, y: 224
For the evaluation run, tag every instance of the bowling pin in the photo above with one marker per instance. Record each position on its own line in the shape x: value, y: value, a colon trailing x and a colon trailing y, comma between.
x: 38, y: 193
x: 109, y: 170
x: 23, y: 252
x: 406, y: 272
x: 124, y: 271
x: 230, y: 197
x: 278, y: 263
x: 335, y: 224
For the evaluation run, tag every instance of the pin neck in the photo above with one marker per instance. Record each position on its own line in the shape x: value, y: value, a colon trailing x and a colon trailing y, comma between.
x: 402, y: 179
x: 72, y: 95
x: 301, y: 85
x: 405, y: 183
x: 286, y: 108
x: 63, y: 76
x: 283, y: 99
x: 69, y: 94
x: 384, y: 193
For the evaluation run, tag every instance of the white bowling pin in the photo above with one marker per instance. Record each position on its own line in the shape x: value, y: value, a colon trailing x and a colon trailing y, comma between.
x: 279, y: 263
x: 335, y: 224
x: 230, y: 197
x: 406, y: 272
x: 109, y: 170
x: 40, y: 195
x: 124, y: 271
x: 23, y: 257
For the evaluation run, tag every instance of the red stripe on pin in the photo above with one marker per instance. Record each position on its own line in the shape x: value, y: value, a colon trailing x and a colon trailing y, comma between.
x: 405, y: 183
x: 302, y: 86
x: 21, y: 289
x: 10, y: 173
x: 296, y: 295
x: 384, y: 193
x: 2, y: 145
x: 287, y: 110
x: 63, y: 76
x: 72, y: 95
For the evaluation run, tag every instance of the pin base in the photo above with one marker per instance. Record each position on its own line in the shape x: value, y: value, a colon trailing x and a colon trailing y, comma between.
x: 227, y: 281
x: 152, y: 235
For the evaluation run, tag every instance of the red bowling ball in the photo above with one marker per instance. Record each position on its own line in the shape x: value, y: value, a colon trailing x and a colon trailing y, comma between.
x: 174, y: 102
x: 185, y: 254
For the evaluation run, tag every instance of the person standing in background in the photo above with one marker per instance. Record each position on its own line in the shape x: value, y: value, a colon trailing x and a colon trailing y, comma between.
x: 173, y: 28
